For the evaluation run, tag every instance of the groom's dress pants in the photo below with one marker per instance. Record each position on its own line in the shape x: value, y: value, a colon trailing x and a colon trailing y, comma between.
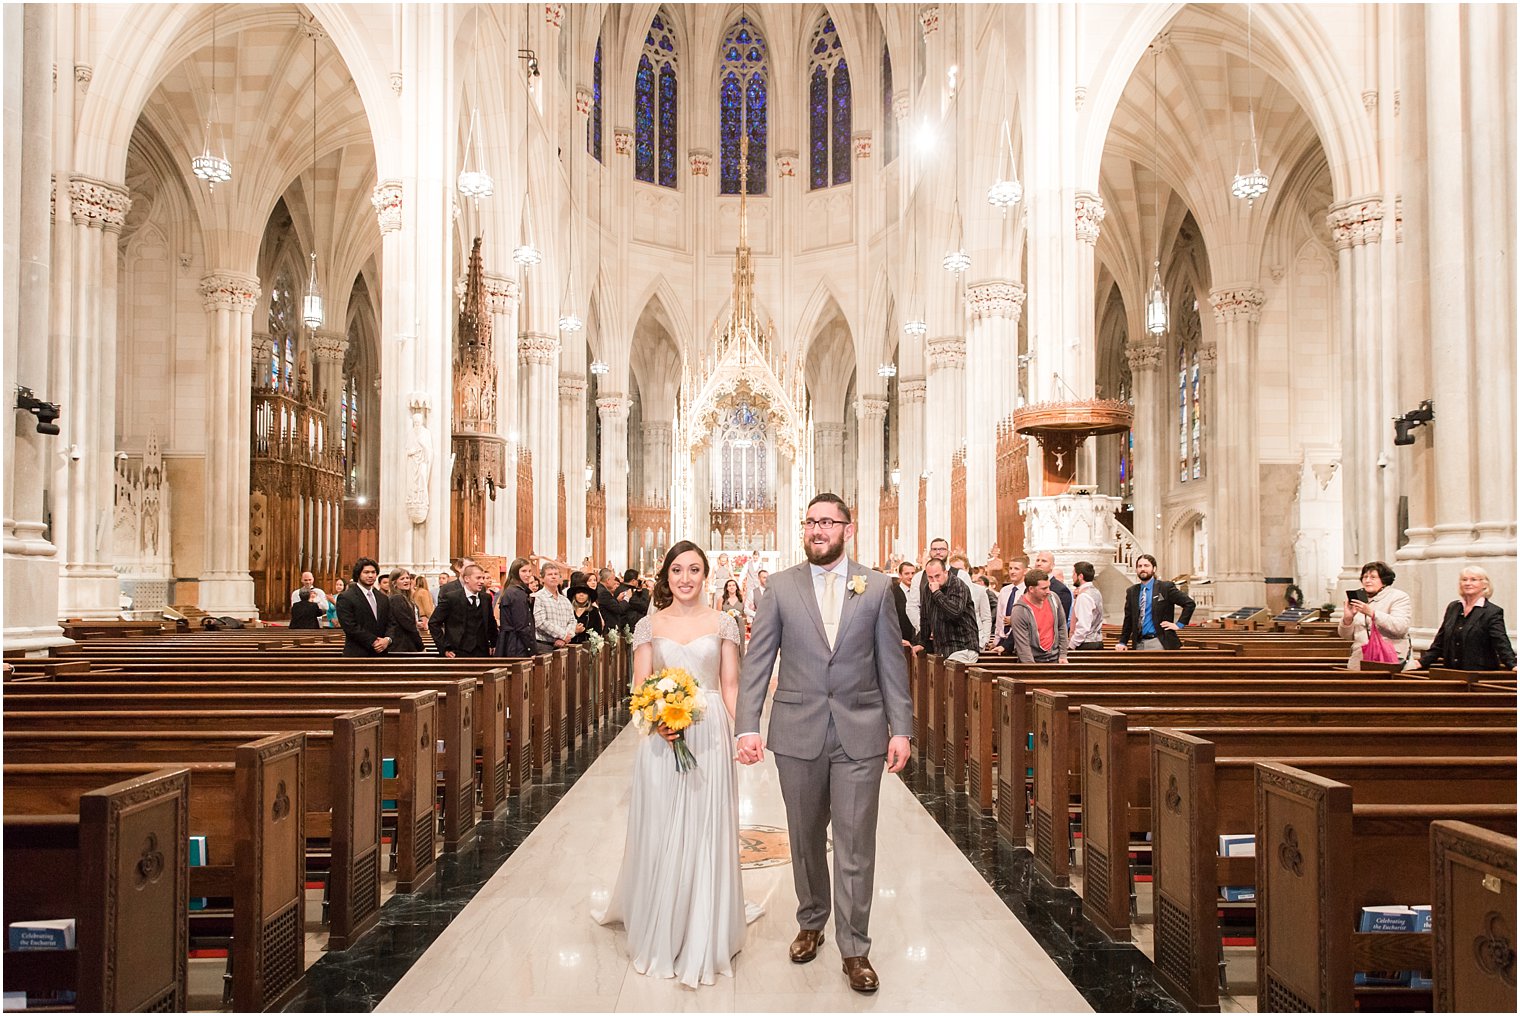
x: 847, y: 791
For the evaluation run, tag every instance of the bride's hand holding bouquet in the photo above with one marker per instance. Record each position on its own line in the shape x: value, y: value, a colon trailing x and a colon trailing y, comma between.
x: 667, y: 703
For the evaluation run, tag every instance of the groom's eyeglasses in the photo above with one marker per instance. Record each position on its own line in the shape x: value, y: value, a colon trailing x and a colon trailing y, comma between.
x: 827, y: 525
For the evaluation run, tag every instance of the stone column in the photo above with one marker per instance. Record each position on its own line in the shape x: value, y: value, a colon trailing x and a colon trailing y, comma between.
x: 88, y: 587
x: 945, y: 424
x: 328, y: 349
x: 870, y: 414
x: 1151, y: 444
x: 501, y: 514
x: 1235, y: 529
x: 226, y: 588
x: 538, y: 357
x: 657, y: 451
x: 612, y: 410
x: 991, y: 342
x: 911, y: 393
x: 573, y: 461
x: 828, y: 456
x: 1080, y: 364
x: 31, y: 568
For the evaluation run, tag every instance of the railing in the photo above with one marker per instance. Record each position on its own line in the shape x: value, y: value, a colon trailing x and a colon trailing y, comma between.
x: 1127, y: 549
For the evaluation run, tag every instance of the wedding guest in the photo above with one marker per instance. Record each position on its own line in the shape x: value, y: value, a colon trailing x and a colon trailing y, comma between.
x: 364, y: 612
x: 1087, y: 608
x: 1046, y: 562
x: 1037, y: 623
x: 900, y: 589
x: 404, y: 630
x: 757, y: 592
x: 588, y: 616
x: 949, y: 619
x: 554, y: 620
x: 332, y: 603
x: 308, y: 581
x: 1150, y: 607
x: 1472, y: 635
x: 1008, y: 596
x: 423, y: 599
x: 304, y: 613
x: 515, y: 640
x: 1389, y: 608
x: 463, y: 623
x: 612, y: 600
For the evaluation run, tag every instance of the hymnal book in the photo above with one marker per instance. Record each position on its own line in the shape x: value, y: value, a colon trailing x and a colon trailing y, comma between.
x: 1384, y: 919
x: 15, y: 1001
x: 388, y: 772
x: 197, y: 860
x: 1418, y: 979
x: 28, y: 936
x: 1237, y: 845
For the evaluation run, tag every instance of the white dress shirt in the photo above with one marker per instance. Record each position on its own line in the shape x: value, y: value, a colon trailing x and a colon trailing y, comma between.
x: 1009, y: 595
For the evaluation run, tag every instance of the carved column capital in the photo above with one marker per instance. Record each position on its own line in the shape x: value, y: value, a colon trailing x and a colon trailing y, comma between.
x: 263, y: 348
x: 871, y: 409
x: 1208, y: 356
x: 1240, y: 303
x: 996, y: 298
x: 947, y: 352
x: 928, y: 18
x: 329, y: 347
x: 97, y: 203
x: 572, y: 386
x: 554, y: 15
x: 862, y: 144
x: 900, y: 105
x: 912, y: 389
x: 622, y: 140
x: 501, y: 293
x: 701, y: 161
x: 1089, y: 218
x: 387, y: 201
x: 1355, y: 222
x: 229, y: 291
x: 786, y: 164
x: 583, y: 97
x: 613, y: 407
x: 1146, y: 357
x: 537, y: 348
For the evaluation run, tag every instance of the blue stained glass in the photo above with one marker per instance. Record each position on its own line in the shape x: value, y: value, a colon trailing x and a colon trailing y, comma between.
x: 821, y: 48
x: 594, y: 125
x: 828, y: 26
x: 732, y: 54
x: 842, y: 123
x: 755, y: 117
x: 667, y: 127
x: 667, y: 45
x: 754, y: 56
x: 657, y: 25
x: 731, y: 115
x: 888, y: 120
x: 743, y: 38
x: 818, y: 132
x: 643, y: 122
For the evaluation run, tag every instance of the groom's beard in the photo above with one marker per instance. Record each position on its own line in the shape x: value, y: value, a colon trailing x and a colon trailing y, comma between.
x: 827, y: 553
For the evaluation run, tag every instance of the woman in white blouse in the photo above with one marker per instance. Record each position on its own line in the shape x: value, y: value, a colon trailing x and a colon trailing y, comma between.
x: 1389, y: 608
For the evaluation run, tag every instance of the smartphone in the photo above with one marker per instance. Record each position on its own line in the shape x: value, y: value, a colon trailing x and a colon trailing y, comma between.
x: 1356, y: 596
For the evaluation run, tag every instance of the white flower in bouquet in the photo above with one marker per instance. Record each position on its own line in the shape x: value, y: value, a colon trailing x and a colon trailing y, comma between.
x: 666, y: 685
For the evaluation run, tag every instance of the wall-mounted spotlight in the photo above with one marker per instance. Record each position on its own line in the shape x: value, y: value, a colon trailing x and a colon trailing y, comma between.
x: 532, y: 58
x: 1403, y: 426
x: 47, y: 413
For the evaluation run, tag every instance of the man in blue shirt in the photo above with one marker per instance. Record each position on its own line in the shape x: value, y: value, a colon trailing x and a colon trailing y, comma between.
x: 1150, y: 605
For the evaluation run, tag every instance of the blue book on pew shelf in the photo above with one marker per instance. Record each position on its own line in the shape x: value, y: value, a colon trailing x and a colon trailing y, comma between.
x: 1418, y: 979
x: 31, y: 936
x: 388, y: 772
x: 1237, y: 845
x: 1376, y: 919
x: 197, y: 860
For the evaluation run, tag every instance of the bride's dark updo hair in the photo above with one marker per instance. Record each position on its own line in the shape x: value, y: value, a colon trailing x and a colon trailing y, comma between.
x: 662, y: 595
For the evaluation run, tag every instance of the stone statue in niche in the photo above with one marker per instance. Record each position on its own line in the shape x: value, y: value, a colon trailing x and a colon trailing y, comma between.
x: 419, y: 466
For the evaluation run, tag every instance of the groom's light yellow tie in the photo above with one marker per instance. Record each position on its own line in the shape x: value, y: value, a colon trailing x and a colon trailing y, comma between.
x: 830, y: 607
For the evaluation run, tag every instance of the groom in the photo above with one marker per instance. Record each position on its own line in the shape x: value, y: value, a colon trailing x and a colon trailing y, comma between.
x: 841, y: 708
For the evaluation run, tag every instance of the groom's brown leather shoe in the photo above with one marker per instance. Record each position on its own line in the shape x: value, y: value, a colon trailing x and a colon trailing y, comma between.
x: 862, y: 976
x: 805, y: 946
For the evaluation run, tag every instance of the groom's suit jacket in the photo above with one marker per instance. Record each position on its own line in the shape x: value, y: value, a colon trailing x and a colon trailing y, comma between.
x: 862, y: 682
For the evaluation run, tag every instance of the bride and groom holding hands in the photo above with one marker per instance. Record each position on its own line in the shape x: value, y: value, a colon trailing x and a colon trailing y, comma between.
x: 840, y: 715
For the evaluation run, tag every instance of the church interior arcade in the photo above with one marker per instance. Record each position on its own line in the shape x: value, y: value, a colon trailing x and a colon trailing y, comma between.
x: 421, y: 281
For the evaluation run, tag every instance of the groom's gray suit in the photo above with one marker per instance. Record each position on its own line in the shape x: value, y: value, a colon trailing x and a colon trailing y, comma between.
x: 832, y: 714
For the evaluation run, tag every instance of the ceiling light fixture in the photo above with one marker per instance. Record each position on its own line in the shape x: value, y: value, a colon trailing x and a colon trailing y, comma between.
x: 1156, y: 301
x: 311, y: 303
x: 1250, y: 186
x: 214, y: 169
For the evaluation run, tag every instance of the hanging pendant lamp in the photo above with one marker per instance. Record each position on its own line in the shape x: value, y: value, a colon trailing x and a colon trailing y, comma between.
x: 311, y: 303
x: 212, y: 168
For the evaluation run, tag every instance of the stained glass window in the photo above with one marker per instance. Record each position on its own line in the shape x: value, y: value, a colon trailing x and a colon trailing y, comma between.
x: 828, y: 108
x: 1190, y: 421
x: 282, y: 330
x: 594, y: 125
x: 888, y: 120
x: 743, y: 466
x: 655, y: 128
x: 743, y: 106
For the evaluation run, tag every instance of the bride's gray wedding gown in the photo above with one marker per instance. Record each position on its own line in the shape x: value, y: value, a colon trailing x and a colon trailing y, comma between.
x: 679, y: 893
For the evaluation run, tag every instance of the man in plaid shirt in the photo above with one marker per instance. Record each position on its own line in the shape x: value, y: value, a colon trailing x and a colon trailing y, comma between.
x: 553, y: 617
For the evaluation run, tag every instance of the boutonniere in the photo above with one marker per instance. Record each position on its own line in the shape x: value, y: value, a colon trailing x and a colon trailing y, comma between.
x: 857, y: 584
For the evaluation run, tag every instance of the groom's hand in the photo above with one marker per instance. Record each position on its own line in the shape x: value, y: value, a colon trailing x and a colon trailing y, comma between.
x: 751, y: 749
x: 898, y: 750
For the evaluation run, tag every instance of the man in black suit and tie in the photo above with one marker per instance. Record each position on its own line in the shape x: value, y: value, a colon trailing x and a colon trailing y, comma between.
x: 463, y: 623
x: 364, y: 612
x: 1149, y: 608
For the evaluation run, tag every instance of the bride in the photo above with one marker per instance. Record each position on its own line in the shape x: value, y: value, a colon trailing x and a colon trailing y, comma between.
x: 679, y: 894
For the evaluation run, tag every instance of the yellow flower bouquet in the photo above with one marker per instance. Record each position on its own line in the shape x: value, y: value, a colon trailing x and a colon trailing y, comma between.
x: 670, y: 697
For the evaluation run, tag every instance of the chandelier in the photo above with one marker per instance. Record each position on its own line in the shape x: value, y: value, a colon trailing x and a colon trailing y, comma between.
x: 1252, y: 185
x: 887, y: 370
x: 957, y: 261
x: 1155, y: 300
x: 1006, y: 191
x: 474, y: 183
x: 311, y: 303
x: 600, y: 368
x: 570, y: 323
x: 916, y: 327
x: 1155, y: 305
x: 527, y: 255
x: 214, y: 169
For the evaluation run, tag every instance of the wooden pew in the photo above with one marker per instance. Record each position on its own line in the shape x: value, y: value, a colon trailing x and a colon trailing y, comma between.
x: 342, y: 799
x: 252, y: 813
x: 400, y: 733
x: 1474, y: 882
x: 119, y: 865
x: 1320, y: 858
x: 1205, y: 797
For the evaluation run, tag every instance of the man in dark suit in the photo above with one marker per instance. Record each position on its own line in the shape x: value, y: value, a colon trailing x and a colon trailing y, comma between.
x: 638, y: 599
x: 612, y: 600
x: 364, y: 612
x: 463, y: 623
x: 900, y: 597
x: 1149, y: 608
x: 305, y: 613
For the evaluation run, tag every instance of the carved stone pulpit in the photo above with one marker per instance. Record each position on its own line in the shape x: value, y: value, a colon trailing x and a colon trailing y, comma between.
x: 480, y: 454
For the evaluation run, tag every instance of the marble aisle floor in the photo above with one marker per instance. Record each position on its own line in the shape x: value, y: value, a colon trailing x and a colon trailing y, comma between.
x: 943, y: 940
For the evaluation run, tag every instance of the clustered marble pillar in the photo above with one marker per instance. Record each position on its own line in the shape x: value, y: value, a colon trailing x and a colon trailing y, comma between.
x: 501, y: 514
x: 226, y: 588
x: 828, y: 456
x: 612, y: 410
x: 1150, y: 455
x: 572, y: 426
x: 538, y: 356
x: 946, y: 424
x: 1232, y: 468
x: 992, y: 345
x: 31, y: 568
x: 870, y: 414
x: 328, y: 349
x: 657, y: 451
x: 911, y: 394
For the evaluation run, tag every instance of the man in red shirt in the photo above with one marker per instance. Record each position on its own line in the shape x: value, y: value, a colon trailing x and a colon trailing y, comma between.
x: 1037, y: 623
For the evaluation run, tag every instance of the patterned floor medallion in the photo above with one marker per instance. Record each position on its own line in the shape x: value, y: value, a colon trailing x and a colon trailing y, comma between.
x: 763, y: 846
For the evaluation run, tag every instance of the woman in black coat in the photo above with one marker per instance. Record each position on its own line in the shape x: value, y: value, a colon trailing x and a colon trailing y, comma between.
x: 514, y: 620
x: 1472, y: 635
x: 587, y: 614
x: 404, y: 634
